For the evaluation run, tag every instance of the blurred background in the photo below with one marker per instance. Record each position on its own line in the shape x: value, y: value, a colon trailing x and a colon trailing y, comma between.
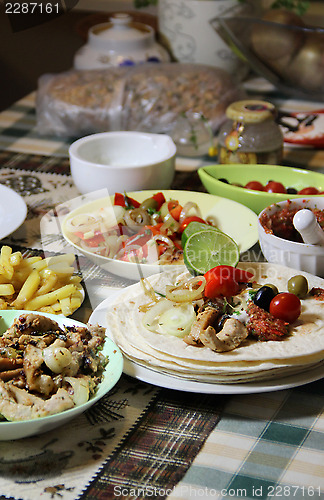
x: 50, y: 47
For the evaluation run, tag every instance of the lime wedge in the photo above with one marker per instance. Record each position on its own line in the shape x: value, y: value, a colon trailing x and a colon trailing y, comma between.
x: 194, y: 227
x: 207, y: 249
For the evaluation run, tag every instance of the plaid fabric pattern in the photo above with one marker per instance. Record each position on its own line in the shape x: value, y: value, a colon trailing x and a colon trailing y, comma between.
x: 18, y: 131
x: 160, y: 450
x: 266, y: 446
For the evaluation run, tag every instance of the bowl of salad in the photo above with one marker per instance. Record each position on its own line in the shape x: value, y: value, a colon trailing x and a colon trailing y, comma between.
x: 258, y: 186
x: 137, y: 234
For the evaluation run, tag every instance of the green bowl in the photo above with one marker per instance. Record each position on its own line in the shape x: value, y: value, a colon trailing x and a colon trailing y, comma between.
x: 257, y: 200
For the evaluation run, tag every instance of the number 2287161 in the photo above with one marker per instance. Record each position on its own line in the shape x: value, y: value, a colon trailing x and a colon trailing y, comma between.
x: 32, y: 8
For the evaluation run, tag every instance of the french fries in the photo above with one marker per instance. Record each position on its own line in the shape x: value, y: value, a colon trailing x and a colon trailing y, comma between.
x: 39, y: 284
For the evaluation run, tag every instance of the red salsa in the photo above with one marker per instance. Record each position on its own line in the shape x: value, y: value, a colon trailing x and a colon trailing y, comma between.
x: 281, y: 222
x: 263, y: 325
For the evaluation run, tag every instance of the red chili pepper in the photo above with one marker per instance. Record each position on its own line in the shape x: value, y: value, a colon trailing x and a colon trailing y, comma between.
x: 239, y: 275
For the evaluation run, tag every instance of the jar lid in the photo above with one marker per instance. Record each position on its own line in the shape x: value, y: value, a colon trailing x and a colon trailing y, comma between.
x: 121, y: 28
x: 250, y: 111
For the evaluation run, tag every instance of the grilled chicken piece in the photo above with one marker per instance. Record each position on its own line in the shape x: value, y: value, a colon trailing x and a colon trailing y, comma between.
x: 10, y: 363
x: 30, y: 324
x: 36, y: 381
x: 207, y: 315
x: 11, y: 374
x: 17, y: 404
x: 231, y: 336
x: 205, y: 318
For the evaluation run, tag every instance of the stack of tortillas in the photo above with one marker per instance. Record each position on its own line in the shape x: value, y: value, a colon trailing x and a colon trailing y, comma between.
x: 253, y: 360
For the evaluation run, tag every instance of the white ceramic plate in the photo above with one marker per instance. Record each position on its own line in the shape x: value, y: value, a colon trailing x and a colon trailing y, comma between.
x: 234, y: 219
x: 13, y: 211
x: 112, y: 373
x: 171, y: 382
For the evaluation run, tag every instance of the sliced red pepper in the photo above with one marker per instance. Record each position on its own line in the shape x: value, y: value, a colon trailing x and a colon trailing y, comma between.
x: 119, y: 199
x: 125, y: 201
x: 161, y: 248
x: 140, y: 238
x: 177, y: 244
x: 160, y: 199
x: 175, y: 209
x: 93, y: 241
x: 187, y: 220
x: 131, y: 203
x: 239, y: 275
x: 156, y: 229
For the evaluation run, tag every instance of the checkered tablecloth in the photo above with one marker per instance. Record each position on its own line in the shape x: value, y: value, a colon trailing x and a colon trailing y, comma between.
x: 179, y: 445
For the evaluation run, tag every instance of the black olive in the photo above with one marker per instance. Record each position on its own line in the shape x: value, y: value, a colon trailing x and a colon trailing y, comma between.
x: 222, y: 179
x: 264, y: 296
x: 220, y: 323
x: 291, y: 191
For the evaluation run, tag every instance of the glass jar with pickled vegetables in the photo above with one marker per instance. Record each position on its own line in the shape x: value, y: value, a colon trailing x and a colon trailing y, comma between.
x: 250, y: 134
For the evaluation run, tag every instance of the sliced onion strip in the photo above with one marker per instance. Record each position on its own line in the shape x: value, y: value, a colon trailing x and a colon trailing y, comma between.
x: 164, y: 238
x: 187, y: 208
x: 148, y: 289
x: 169, y: 224
x: 187, y: 291
x: 82, y: 223
x: 168, y: 318
x: 137, y: 217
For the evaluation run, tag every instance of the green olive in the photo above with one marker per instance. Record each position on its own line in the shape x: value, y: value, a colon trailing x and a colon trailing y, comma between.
x: 298, y: 285
x: 274, y: 288
x: 149, y: 203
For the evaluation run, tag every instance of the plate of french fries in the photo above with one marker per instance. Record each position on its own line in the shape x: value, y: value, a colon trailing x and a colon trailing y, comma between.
x: 34, y: 283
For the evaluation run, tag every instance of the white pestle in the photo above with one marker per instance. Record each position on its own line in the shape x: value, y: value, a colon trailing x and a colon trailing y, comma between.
x: 306, y: 224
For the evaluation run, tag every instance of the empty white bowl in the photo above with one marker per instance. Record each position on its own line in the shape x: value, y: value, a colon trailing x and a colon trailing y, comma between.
x: 122, y: 161
x: 302, y: 256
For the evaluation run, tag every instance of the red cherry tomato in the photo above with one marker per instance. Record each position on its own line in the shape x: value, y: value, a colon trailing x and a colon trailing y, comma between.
x: 255, y: 185
x: 221, y: 286
x: 187, y: 221
x: 275, y: 187
x: 308, y: 190
x: 285, y: 306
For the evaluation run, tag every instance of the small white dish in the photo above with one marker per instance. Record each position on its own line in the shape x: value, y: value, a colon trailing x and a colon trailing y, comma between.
x: 232, y: 218
x: 112, y: 373
x: 302, y: 256
x: 13, y: 211
x: 122, y: 161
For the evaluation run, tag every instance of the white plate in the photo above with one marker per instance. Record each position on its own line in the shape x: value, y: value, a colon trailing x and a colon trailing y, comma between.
x: 13, y: 211
x: 234, y: 219
x: 171, y: 382
x: 112, y: 373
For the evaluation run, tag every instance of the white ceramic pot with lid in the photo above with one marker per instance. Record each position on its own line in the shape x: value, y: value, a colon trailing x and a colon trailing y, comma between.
x: 119, y: 42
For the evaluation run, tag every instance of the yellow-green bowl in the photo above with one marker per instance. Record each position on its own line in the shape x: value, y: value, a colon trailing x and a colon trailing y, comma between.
x: 297, y: 178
